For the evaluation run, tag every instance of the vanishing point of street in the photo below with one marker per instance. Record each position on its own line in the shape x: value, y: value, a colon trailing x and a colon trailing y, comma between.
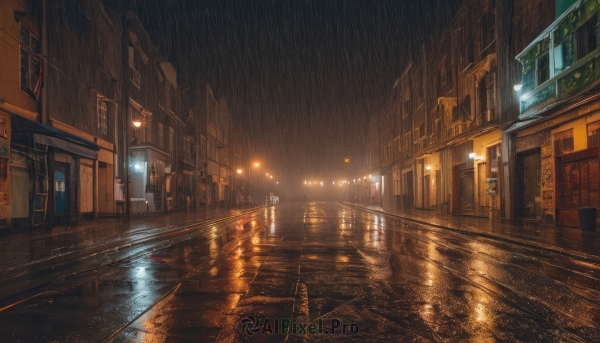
x: 314, y: 268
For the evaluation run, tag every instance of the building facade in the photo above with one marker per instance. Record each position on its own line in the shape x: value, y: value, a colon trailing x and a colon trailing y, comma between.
x: 556, y: 132
x: 442, y: 134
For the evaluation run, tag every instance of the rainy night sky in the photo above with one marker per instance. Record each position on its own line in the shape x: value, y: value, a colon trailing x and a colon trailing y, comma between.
x: 302, y: 76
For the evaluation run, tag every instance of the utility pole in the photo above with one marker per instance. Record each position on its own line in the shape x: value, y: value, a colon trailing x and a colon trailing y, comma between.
x: 124, y: 107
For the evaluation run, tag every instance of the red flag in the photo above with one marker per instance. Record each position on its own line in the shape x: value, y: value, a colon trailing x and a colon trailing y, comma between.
x: 39, y: 80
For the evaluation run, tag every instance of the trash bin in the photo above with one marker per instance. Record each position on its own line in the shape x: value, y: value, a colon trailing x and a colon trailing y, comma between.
x: 587, y: 218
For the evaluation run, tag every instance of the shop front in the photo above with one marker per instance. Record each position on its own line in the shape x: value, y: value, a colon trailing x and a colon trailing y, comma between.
x: 57, y: 169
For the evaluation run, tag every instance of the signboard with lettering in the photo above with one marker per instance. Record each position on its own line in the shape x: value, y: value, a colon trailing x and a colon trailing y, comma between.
x: 491, y: 186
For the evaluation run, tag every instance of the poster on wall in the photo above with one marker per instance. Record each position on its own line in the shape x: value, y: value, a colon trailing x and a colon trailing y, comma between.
x: 547, y: 200
x: 491, y: 186
x: 546, y: 150
x: 547, y: 179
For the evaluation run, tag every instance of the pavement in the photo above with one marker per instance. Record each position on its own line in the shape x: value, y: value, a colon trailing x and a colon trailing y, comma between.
x: 564, y: 240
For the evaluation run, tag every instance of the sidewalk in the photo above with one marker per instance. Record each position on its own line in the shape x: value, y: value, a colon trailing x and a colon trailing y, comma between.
x: 563, y: 240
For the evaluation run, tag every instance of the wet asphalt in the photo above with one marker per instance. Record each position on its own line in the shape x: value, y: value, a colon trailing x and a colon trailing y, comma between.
x: 316, y: 268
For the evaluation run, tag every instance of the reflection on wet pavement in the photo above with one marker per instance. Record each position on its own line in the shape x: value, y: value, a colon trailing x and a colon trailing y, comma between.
x: 313, y: 264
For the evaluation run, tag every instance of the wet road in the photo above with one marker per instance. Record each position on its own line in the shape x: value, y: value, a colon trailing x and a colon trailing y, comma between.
x: 311, y: 267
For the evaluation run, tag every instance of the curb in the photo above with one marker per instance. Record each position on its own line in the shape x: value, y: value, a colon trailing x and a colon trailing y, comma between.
x: 522, y: 242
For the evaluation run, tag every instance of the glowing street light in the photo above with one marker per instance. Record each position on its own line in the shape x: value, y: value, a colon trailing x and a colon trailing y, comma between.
x: 239, y: 171
x: 137, y: 123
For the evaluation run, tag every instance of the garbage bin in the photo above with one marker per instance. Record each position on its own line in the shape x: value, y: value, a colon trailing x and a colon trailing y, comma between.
x: 587, y: 218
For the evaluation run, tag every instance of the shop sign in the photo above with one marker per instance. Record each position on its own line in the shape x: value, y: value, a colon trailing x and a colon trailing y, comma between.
x: 491, y: 186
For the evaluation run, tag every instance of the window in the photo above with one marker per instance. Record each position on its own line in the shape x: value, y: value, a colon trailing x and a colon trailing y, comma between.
x: 101, y: 48
x: 143, y: 133
x: 486, y: 27
x: 468, y: 53
x: 131, y: 57
x: 406, y: 108
x: 135, y: 77
x: 202, y: 146
x: 161, y: 135
x: 101, y: 109
x: 186, y: 149
x: 564, y: 55
x: 422, y: 130
x: 542, y: 69
x: 29, y: 58
x: 593, y: 133
x: 563, y: 142
x: 587, y: 37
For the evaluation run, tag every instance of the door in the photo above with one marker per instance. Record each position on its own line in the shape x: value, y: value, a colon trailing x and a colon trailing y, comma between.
x: 106, y: 199
x: 408, y: 186
x: 481, y: 196
x: 102, y: 189
x: 529, y: 165
x: 61, y: 189
x: 465, y: 192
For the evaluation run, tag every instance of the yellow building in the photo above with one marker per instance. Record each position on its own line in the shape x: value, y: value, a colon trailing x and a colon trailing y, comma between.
x: 20, y: 47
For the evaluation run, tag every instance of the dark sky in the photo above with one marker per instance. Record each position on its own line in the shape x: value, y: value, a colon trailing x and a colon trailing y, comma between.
x: 302, y: 76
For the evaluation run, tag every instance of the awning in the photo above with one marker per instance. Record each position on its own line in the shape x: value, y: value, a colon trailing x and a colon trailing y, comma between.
x: 27, y: 132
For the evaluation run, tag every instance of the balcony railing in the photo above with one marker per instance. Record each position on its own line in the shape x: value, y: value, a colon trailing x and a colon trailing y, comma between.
x: 456, y: 128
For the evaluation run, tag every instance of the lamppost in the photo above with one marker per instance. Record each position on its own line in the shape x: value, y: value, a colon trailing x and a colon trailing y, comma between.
x: 256, y: 165
x: 239, y: 171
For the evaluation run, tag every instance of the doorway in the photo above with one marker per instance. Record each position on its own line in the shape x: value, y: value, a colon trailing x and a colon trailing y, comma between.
x: 61, y: 190
x: 529, y: 165
x: 106, y: 199
x: 465, y: 191
x: 481, y: 196
x: 408, y: 189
